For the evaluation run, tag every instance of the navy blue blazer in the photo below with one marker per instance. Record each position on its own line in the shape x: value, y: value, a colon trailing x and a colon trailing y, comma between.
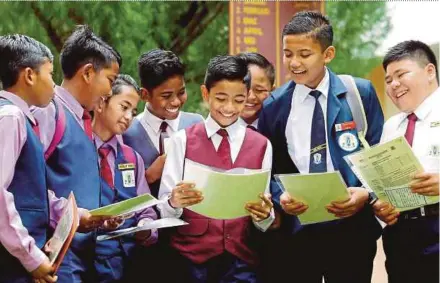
x: 275, y: 113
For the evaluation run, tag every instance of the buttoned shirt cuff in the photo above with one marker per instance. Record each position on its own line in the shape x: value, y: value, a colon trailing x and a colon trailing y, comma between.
x: 166, y: 210
x: 152, y: 239
x: 33, y: 260
x: 263, y: 225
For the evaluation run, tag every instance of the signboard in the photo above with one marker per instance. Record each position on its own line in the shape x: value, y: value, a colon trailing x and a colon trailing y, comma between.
x: 257, y: 27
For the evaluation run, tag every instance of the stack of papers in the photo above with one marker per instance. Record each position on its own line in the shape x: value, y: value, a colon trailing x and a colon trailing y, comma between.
x: 156, y: 224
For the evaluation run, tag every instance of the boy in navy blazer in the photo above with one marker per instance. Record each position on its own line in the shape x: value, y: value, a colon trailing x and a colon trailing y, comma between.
x: 311, y: 128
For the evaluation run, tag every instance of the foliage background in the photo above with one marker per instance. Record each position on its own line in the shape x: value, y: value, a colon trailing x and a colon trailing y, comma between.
x: 195, y: 31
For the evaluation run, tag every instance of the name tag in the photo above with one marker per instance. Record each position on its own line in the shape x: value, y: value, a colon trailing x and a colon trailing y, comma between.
x: 435, y: 124
x: 126, y: 166
x: 345, y: 126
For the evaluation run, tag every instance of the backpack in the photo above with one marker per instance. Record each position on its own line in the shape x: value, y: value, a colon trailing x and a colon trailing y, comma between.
x: 357, y: 108
x: 60, y: 128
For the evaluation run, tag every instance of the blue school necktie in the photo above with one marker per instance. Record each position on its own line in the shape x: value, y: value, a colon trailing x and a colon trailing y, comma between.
x: 318, y: 144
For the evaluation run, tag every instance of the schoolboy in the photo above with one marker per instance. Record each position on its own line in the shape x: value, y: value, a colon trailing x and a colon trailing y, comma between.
x: 89, y: 67
x: 302, y: 127
x: 411, y: 238
x: 217, y: 250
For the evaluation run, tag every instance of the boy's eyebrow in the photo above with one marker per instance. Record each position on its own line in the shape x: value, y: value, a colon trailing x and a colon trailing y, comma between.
x: 396, y: 71
x: 128, y: 102
x: 221, y: 93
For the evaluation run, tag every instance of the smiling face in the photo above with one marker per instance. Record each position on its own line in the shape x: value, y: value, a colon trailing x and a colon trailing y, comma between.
x: 116, y: 112
x: 304, y: 59
x: 260, y: 90
x: 408, y: 83
x: 226, y: 101
x: 166, y: 100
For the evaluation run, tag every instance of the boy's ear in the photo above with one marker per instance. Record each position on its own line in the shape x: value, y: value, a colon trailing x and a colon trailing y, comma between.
x: 329, y: 54
x: 430, y: 69
x: 100, y: 107
x: 87, y: 72
x: 145, y: 94
x: 29, y: 76
x: 205, y: 93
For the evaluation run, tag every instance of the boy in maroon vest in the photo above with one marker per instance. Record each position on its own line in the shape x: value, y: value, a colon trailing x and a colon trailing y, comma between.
x: 217, y: 250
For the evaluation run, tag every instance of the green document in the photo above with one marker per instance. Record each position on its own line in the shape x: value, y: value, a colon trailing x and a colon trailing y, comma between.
x: 225, y: 192
x: 317, y: 190
x: 386, y: 169
x: 127, y: 206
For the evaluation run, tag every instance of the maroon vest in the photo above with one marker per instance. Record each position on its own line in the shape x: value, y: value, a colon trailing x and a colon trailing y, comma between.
x: 205, y: 237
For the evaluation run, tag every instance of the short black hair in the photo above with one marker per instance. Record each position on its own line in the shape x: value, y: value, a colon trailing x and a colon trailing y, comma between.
x: 84, y: 47
x: 124, y: 80
x: 156, y: 66
x: 226, y: 67
x: 252, y: 58
x: 18, y: 52
x: 411, y: 49
x: 311, y: 23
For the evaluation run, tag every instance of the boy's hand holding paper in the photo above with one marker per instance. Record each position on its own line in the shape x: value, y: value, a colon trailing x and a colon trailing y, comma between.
x: 185, y: 194
x: 426, y: 184
x: 292, y: 206
x: 386, y: 212
x: 260, y: 210
x: 349, y: 207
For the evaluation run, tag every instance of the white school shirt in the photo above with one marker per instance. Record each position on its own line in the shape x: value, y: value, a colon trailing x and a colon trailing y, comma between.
x: 152, y: 124
x: 299, y: 124
x: 426, y: 142
x: 173, y: 170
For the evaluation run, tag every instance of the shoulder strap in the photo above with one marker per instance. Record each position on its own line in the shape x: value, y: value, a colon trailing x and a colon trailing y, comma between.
x: 60, y: 127
x: 357, y: 108
x: 129, y: 155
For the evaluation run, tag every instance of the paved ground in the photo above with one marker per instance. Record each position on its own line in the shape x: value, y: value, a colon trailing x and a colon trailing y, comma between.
x: 379, y: 272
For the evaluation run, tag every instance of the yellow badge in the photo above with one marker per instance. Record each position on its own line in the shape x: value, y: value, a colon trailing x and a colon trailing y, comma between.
x: 435, y: 124
x: 126, y: 166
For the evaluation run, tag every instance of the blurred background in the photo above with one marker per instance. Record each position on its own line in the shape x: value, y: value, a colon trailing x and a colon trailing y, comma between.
x: 199, y: 30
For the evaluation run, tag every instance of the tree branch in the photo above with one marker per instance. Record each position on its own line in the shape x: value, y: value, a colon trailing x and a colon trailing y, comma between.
x: 50, y: 29
x: 195, y: 27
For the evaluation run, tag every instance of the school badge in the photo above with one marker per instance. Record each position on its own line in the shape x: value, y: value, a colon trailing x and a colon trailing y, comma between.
x: 348, y: 142
x: 317, y: 158
x: 128, y: 179
x: 434, y: 150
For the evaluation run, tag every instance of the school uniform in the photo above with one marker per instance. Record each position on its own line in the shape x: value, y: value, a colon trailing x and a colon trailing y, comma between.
x: 72, y: 166
x: 215, y: 250
x: 144, y: 135
x: 122, y: 178
x: 252, y: 126
x: 412, y: 244
x: 27, y: 208
x: 341, y: 250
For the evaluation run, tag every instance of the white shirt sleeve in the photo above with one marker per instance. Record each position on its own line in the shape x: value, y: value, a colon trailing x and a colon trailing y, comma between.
x: 267, y: 164
x: 172, y: 174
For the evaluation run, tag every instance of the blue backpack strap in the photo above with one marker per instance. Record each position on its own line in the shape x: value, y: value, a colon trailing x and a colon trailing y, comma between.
x: 130, y: 156
x: 60, y: 127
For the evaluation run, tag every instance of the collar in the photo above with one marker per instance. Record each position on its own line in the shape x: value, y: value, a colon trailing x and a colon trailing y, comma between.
x: 212, y: 127
x: 69, y: 101
x: 112, y: 143
x: 425, y: 108
x: 154, y: 122
x: 303, y: 91
x: 20, y: 103
x: 254, y: 123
